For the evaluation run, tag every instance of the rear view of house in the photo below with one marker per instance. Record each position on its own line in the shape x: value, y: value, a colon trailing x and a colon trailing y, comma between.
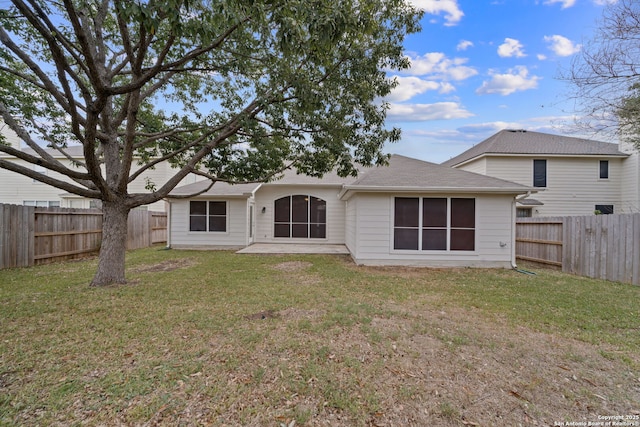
x: 408, y: 213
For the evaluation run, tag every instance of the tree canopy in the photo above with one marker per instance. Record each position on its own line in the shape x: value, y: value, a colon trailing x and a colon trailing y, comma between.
x: 606, y: 75
x: 234, y: 90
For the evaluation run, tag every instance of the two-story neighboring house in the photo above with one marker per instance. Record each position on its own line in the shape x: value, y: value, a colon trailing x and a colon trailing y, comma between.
x: 18, y: 189
x: 573, y: 176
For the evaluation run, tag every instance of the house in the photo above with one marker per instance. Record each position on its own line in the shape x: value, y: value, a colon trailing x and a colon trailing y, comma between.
x: 574, y: 176
x: 18, y: 189
x: 408, y: 213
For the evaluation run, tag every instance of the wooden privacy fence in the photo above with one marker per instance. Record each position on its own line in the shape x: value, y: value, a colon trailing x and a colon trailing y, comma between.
x: 599, y: 246
x: 30, y: 235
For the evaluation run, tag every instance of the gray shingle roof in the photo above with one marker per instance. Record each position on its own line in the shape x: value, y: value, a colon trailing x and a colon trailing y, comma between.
x: 530, y: 202
x: 218, y: 189
x: 402, y: 174
x: 536, y: 143
x: 414, y: 174
x: 290, y: 177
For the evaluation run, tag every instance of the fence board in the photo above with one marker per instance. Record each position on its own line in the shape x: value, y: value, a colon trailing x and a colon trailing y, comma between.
x: 31, y: 235
x: 540, y: 240
x: 599, y: 246
x: 16, y: 236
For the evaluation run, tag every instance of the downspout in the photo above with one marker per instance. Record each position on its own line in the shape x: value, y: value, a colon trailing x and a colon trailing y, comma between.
x: 513, y: 232
x: 169, y: 225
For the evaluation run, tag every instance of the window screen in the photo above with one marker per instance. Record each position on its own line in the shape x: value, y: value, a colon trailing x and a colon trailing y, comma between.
x: 207, y: 216
x: 539, y: 173
x: 604, y: 169
x: 434, y: 224
x: 300, y: 216
x: 406, y: 223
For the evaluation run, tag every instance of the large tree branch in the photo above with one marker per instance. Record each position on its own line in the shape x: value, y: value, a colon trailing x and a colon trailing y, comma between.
x: 66, y: 186
x: 197, y: 193
x: 51, y: 162
x: 26, y: 58
x: 232, y: 126
x: 166, y: 157
x: 40, y: 21
x: 90, y: 60
x: 152, y: 72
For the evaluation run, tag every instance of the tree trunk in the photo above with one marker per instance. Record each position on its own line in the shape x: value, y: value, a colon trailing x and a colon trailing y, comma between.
x: 111, y: 260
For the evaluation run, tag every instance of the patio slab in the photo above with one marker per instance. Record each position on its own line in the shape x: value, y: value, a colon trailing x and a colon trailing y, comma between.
x: 293, y: 248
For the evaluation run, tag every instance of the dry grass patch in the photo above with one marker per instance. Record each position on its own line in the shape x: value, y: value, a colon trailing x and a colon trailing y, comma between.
x: 234, y: 340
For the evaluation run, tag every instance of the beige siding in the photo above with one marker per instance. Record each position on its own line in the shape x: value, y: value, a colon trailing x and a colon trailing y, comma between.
x: 631, y: 184
x: 17, y: 188
x: 494, y: 237
x: 573, y: 184
x: 476, y: 166
x: 10, y: 136
x: 268, y: 194
x: 351, y: 224
x: 234, y: 237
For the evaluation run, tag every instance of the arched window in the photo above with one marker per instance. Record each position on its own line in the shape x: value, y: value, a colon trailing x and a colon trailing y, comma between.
x: 300, y: 216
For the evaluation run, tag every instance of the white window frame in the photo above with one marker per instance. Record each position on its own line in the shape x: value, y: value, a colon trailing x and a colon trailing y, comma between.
x: 600, y: 170
x: 207, y: 216
x: 421, y: 226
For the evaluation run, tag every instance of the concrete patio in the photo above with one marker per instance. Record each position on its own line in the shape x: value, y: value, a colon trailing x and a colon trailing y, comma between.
x: 293, y: 248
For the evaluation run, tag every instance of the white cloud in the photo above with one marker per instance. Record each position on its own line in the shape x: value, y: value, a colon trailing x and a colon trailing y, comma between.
x: 515, y: 80
x: 427, y: 112
x: 562, y: 46
x: 464, y: 45
x: 565, y: 3
x: 489, y: 127
x: 437, y: 65
x: 408, y: 87
x: 452, y: 12
x: 511, y: 48
x: 541, y: 57
x: 604, y: 2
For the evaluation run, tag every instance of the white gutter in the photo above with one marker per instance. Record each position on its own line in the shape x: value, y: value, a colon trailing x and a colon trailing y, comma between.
x: 457, y: 190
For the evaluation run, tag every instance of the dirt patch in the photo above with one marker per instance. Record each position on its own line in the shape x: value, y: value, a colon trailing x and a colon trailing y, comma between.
x: 299, y: 314
x: 292, y: 266
x: 164, y: 266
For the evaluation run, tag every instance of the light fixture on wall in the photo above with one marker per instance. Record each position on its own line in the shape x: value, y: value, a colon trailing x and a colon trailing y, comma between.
x: 264, y: 209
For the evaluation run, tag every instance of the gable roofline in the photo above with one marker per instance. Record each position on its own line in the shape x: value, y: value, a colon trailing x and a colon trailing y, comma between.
x: 402, y: 175
x: 408, y: 175
x: 510, y: 142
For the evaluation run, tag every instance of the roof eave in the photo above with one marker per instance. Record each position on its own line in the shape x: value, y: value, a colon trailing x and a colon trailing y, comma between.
x: 348, y: 190
x: 584, y: 156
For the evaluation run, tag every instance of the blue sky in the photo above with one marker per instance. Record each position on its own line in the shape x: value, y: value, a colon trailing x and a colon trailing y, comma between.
x: 480, y: 66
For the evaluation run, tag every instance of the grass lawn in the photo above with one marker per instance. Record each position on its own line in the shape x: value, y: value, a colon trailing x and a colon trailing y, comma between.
x: 216, y: 338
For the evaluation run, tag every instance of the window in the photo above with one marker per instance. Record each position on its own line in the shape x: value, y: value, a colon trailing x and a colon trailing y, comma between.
x: 406, y: 223
x: 300, y: 216
x: 604, y: 209
x: 39, y: 169
x: 524, y: 212
x: 604, y: 169
x: 539, y: 173
x: 42, y: 203
x: 208, y: 216
x: 434, y: 224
